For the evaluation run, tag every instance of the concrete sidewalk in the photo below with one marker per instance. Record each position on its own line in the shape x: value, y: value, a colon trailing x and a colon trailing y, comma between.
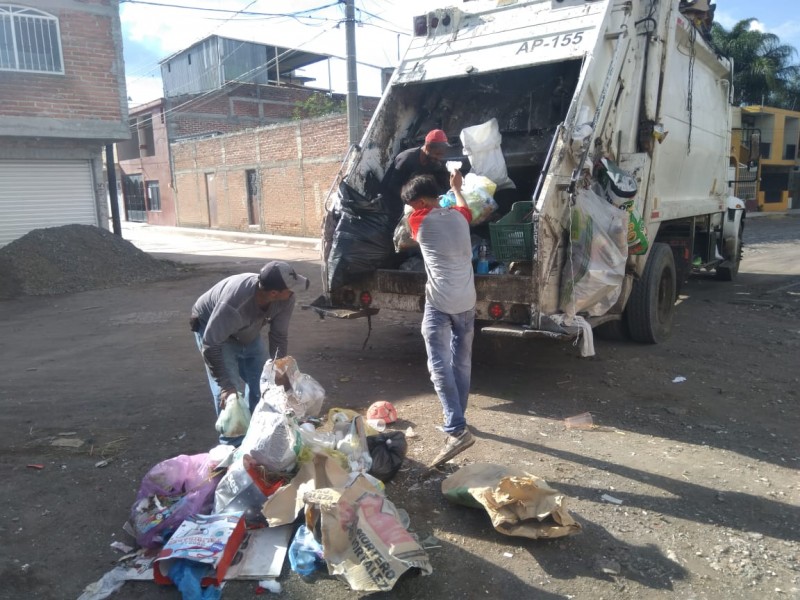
x: 793, y: 212
x: 238, y: 237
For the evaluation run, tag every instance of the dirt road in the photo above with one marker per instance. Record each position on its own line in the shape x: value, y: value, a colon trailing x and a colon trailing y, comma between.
x: 706, y: 470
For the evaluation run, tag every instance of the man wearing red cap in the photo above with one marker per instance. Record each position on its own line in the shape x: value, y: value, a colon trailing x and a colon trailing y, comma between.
x: 428, y: 159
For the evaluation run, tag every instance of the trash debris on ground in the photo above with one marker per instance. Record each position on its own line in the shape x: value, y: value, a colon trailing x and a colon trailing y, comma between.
x: 270, y: 585
x: 210, y: 540
x: 581, y: 421
x: 38, y: 467
x: 289, y: 460
x: 67, y: 443
x: 364, y: 540
x: 382, y: 409
x: 610, y: 499
x: 121, y: 547
x: 518, y: 503
x: 679, y: 379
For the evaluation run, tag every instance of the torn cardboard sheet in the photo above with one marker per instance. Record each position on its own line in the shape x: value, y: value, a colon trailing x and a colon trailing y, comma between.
x: 322, y: 472
x: 518, y: 503
x: 364, y: 541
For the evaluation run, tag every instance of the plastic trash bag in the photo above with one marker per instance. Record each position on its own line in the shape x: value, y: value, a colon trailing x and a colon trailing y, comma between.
x: 482, y: 147
x: 171, y: 491
x: 187, y: 575
x: 245, y: 488
x: 288, y: 391
x: 478, y: 192
x: 362, y: 240
x: 592, y: 275
x: 402, y: 238
x: 271, y: 440
x: 234, y: 419
x: 305, y: 552
x: 388, y: 450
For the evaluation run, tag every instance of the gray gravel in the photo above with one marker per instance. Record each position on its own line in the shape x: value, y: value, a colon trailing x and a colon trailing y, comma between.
x: 76, y: 258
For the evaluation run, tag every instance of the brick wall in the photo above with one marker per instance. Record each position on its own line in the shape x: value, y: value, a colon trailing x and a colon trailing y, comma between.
x: 296, y: 165
x: 240, y: 107
x: 90, y: 87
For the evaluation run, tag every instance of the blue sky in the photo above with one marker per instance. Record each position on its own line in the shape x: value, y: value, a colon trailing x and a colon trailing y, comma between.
x: 151, y: 33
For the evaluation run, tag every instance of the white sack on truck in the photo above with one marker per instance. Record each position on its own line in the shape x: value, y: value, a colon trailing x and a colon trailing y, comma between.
x: 482, y: 146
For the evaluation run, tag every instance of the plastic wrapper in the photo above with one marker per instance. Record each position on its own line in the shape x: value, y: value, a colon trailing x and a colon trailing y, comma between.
x: 305, y: 552
x: 234, y: 419
x: 171, y: 491
x: 478, y: 192
x: 592, y: 275
x: 402, y: 238
x: 482, y: 146
x: 637, y: 234
x: 245, y: 488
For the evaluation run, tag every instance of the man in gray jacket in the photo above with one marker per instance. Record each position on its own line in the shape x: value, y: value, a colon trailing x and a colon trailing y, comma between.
x: 227, y: 322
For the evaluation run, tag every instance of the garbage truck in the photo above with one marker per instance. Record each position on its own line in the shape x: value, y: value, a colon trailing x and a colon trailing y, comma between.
x: 612, y: 121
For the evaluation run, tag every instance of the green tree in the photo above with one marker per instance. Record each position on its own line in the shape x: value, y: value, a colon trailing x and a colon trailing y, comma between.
x: 763, y: 67
x: 317, y: 105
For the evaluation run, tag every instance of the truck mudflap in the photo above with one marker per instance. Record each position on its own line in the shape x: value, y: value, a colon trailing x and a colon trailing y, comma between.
x: 323, y: 308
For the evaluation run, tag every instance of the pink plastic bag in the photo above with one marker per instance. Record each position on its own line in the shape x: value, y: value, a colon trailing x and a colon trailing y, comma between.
x: 170, y: 492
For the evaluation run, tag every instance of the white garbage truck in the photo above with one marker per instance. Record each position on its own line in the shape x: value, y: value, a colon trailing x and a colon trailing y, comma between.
x: 613, y: 126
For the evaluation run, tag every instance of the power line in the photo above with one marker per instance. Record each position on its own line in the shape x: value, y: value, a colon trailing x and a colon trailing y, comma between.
x: 228, y: 10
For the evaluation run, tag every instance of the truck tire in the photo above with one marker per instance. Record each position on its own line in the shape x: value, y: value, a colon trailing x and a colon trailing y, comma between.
x: 648, y: 313
x: 730, y: 273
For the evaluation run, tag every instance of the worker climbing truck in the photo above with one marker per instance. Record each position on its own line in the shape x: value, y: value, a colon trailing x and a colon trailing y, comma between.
x: 607, y: 127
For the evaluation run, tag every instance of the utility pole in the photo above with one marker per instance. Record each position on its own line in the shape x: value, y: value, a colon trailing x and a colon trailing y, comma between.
x: 111, y: 171
x: 353, y: 114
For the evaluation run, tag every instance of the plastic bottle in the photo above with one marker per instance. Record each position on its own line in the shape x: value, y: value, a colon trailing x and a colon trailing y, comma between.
x: 377, y: 424
x: 483, y: 260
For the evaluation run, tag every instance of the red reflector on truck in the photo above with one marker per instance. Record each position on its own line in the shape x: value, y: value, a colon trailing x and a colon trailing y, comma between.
x: 496, y: 310
x: 365, y: 298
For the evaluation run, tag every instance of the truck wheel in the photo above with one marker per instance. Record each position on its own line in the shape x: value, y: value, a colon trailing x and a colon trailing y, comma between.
x: 652, y: 300
x: 730, y: 273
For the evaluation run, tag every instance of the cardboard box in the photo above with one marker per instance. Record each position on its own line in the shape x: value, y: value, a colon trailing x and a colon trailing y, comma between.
x: 210, y: 539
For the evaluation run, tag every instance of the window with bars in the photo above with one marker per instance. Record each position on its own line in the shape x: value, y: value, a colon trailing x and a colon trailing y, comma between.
x: 29, y: 40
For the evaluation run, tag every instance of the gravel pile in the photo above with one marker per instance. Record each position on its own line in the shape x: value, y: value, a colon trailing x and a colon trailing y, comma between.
x: 75, y: 258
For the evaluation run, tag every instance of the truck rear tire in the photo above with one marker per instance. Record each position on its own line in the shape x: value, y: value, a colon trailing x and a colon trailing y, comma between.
x: 730, y: 273
x: 648, y: 313
x: 612, y: 331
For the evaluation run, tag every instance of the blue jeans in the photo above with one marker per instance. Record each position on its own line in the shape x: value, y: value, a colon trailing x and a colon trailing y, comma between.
x: 448, y: 340
x: 244, y: 365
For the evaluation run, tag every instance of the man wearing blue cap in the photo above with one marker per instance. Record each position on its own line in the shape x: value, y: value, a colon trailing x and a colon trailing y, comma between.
x: 227, y: 322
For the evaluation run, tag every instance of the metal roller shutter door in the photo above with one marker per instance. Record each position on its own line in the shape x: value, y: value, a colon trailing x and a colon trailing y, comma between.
x: 44, y: 193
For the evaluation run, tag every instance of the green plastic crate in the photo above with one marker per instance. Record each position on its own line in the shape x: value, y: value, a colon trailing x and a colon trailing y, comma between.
x: 512, y: 239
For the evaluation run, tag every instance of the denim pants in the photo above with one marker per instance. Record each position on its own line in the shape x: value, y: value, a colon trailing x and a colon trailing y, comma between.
x: 244, y: 364
x: 448, y: 340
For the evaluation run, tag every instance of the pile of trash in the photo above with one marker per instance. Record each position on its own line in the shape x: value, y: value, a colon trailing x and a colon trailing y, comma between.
x: 192, y: 514
x: 76, y: 258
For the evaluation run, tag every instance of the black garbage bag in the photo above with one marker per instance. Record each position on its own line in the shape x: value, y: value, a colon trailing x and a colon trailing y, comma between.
x: 388, y: 450
x: 362, y: 241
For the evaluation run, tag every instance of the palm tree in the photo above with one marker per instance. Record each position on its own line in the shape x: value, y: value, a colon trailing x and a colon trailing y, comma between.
x: 763, y: 69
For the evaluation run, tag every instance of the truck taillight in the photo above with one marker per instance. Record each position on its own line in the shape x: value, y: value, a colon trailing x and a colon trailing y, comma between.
x: 366, y: 299
x: 421, y: 25
x: 496, y: 310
